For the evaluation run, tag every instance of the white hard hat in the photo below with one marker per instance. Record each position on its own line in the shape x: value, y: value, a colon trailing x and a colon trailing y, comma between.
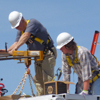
x: 63, y: 39
x: 15, y: 18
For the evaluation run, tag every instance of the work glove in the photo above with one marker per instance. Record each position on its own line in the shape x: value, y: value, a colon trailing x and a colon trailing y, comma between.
x: 68, y: 91
x: 84, y: 92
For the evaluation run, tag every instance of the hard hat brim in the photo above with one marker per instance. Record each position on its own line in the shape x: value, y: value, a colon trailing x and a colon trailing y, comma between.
x: 59, y: 47
x: 18, y: 22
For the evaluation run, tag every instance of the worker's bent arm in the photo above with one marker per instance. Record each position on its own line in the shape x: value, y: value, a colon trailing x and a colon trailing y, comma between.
x: 22, y: 40
x: 86, y: 85
x: 12, y: 46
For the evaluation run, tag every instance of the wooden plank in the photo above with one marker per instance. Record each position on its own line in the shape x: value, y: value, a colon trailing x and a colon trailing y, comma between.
x: 66, y: 82
x: 4, y: 54
x: 10, y: 97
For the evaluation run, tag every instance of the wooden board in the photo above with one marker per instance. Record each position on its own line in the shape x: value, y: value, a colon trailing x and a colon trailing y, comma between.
x: 66, y: 82
x: 4, y: 54
x: 10, y: 97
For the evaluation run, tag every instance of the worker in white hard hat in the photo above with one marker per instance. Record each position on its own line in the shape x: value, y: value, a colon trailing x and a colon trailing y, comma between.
x: 36, y: 37
x: 83, y: 63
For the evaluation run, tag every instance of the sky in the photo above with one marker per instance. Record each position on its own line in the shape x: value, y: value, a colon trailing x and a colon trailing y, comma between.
x: 80, y: 18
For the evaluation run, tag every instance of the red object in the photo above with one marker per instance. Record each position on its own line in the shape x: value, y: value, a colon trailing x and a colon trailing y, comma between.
x: 1, y: 86
x: 94, y: 42
x: 28, y: 71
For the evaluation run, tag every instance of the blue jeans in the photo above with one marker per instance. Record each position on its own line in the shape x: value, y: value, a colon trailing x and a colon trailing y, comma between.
x: 95, y: 88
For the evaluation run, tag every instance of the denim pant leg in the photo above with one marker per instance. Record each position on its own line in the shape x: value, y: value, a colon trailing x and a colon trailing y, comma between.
x: 78, y: 90
x: 96, y: 87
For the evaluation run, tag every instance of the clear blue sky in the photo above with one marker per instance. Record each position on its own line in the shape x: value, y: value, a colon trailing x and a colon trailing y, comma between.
x: 80, y: 18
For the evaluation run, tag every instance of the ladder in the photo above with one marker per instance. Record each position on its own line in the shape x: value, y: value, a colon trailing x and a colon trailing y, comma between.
x: 94, y: 42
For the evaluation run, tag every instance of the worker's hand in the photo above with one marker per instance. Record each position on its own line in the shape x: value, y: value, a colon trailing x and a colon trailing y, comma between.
x: 84, y: 92
x: 10, y: 52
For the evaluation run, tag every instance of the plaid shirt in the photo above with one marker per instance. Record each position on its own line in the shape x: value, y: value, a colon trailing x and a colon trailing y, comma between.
x: 82, y: 69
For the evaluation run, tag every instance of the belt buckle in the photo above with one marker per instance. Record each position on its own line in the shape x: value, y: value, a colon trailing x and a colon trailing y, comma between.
x: 30, y: 41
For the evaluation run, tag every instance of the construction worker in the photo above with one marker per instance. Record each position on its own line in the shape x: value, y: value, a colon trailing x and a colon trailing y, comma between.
x: 36, y: 37
x: 83, y: 63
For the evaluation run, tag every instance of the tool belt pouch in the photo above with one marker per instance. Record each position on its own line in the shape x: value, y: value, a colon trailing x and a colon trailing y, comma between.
x: 54, y: 51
